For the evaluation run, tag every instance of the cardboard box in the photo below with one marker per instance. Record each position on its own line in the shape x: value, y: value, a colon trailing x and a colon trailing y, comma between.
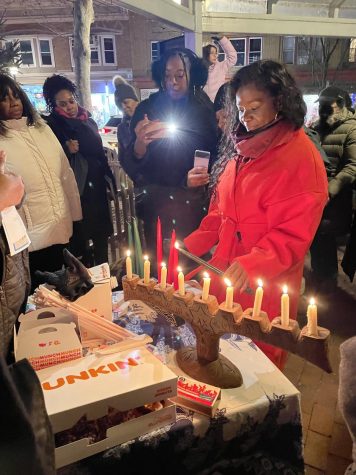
x: 90, y: 386
x: 48, y: 344
x: 99, y: 298
x: 199, y: 397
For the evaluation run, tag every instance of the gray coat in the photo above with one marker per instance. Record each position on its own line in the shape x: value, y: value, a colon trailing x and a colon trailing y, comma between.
x: 14, y: 288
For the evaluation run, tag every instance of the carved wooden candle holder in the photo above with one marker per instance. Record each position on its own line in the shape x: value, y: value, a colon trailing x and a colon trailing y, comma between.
x: 210, y: 321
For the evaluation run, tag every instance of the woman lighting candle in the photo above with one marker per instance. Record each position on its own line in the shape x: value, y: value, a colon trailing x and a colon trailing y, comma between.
x: 163, y: 275
x: 146, y: 270
x: 258, y: 299
x: 229, y: 302
x: 312, y: 315
x: 181, y: 288
x: 128, y: 265
x: 206, y: 287
x: 285, y: 307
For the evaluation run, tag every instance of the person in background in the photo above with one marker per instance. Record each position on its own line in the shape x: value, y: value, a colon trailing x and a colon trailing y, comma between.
x: 267, y: 175
x: 79, y: 136
x: 337, y: 130
x: 14, y: 270
x: 52, y: 202
x: 126, y: 100
x: 167, y: 129
x: 218, y: 69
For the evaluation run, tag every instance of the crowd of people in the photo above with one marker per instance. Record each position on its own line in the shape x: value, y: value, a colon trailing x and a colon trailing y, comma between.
x: 246, y: 205
x: 272, y: 189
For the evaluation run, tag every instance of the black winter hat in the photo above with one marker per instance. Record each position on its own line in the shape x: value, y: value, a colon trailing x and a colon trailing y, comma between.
x: 123, y: 90
x: 331, y: 94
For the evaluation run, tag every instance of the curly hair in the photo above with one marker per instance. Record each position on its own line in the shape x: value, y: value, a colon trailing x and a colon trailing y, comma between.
x: 53, y: 85
x: 271, y: 77
x: 7, y: 83
x: 195, y: 68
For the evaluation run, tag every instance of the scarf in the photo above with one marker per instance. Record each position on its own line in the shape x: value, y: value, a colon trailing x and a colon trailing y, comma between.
x: 253, y: 145
x: 82, y: 113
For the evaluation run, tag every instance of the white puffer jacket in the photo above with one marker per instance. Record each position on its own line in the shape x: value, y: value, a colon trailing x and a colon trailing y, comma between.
x: 52, y: 199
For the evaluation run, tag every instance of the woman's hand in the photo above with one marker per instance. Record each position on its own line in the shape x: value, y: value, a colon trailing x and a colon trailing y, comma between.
x: 237, y: 276
x: 73, y: 145
x: 146, y: 131
x: 198, y: 176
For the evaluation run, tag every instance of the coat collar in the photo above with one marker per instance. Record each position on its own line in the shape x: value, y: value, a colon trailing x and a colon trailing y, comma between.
x: 253, y: 146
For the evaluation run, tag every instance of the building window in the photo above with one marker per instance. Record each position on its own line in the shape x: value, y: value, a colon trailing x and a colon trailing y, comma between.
x: 248, y: 50
x: 352, y: 51
x: 94, y: 49
x: 108, y: 50
x: 255, y: 50
x: 45, y: 52
x: 155, y: 53
x: 27, y: 53
x: 240, y: 46
x: 288, y: 49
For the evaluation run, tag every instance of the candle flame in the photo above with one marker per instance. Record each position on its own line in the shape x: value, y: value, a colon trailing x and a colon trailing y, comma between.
x: 145, y: 257
x: 128, y: 253
x: 259, y: 283
x: 176, y: 245
x: 163, y: 264
x: 179, y: 269
x: 312, y: 301
x: 227, y: 282
x: 206, y: 275
x: 285, y: 289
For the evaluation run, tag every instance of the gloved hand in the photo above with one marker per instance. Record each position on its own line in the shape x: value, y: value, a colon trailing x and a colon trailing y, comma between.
x: 216, y: 38
x: 72, y: 281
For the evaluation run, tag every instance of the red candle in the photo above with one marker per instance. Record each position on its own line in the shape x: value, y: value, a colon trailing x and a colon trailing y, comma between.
x: 159, y: 248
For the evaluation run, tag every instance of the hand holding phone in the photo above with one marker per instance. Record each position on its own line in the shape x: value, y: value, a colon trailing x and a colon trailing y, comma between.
x: 201, y: 158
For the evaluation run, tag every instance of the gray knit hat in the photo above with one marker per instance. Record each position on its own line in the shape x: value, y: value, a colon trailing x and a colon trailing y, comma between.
x: 123, y: 90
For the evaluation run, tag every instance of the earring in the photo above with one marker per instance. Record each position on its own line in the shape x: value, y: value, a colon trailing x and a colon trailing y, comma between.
x: 276, y: 116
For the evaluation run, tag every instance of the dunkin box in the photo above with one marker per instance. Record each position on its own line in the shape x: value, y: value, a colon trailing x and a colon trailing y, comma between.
x: 47, y: 337
x: 96, y: 402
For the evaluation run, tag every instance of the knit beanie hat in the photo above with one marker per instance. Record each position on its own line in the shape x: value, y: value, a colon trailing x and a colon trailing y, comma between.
x: 123, y: 90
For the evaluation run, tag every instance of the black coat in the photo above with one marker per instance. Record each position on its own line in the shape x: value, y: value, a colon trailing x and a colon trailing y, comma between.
x: 162, y: 172
x: 94, y: 197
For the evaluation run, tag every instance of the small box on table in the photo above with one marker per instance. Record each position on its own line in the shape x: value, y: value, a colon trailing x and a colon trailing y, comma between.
x: 90, y: 401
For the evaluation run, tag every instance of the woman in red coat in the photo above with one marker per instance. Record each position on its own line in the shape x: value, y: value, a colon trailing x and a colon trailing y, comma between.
x: 269, y: 189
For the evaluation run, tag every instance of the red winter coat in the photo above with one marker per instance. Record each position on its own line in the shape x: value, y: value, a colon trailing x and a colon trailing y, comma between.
x: 265, y: 216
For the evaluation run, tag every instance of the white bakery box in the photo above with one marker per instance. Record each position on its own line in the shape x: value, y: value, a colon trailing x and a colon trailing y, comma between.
x: 85, y: 396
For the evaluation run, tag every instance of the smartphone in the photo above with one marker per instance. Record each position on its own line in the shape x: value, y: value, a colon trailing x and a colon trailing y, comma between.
x: 201, y: 158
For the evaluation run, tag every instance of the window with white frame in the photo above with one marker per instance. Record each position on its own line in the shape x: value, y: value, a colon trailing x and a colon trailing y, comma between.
x: 27, y: 53
x: 108, y: 50
x: 240, y: 47
x: 288, y: 49
x: 45, y: 52
x: 248, y: 50
x: 155, y: 54
x: 352, y: 51
x: 255, y: 50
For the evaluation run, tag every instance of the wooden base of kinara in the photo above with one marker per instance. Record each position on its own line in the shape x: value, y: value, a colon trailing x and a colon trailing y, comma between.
x: 220, y: 372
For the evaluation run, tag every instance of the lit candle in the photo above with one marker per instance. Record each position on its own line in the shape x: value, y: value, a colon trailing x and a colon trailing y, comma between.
x: 163, y: 275
x: 146, y: 270
x: 285, y: 307
x: 229, y: 302
x: 181, y: 288
x: 206, y: 287
x: 312, y: 315
x: 128, y: 265
x: 258, y: 299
